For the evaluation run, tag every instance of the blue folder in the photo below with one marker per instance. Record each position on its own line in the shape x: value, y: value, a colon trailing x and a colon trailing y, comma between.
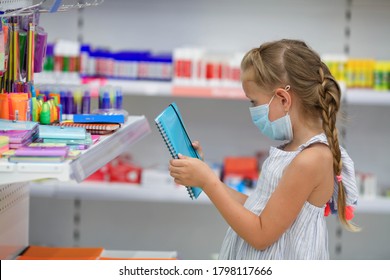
x: 172, y: 129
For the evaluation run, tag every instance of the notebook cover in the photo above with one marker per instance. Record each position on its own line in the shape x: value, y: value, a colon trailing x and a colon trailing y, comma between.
x: 43, y: 151
x: 61, y: 132
x: 25, y: 142
x: 86, y: 141
x: 16, y: 136
x: 173, y: 131
x: 4, y: 140
x: 17, y: 125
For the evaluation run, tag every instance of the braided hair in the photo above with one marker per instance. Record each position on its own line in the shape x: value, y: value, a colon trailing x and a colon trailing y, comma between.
x: 293, y: 62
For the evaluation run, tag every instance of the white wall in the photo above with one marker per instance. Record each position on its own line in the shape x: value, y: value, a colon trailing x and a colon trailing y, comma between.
x: 223, y: 126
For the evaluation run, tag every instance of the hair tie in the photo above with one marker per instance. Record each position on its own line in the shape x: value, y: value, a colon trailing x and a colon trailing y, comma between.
x: 339, y: 178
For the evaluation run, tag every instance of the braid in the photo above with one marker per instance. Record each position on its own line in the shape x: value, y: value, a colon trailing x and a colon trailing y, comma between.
x: 329, y: 99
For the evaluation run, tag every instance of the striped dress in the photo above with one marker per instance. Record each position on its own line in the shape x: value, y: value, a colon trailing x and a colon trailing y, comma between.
x: 307, y: 238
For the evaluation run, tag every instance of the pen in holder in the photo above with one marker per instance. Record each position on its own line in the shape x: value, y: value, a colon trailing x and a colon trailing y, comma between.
x: 110, y: 103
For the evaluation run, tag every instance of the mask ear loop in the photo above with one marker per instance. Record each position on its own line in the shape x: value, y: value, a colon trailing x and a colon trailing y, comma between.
x: 287, y: 88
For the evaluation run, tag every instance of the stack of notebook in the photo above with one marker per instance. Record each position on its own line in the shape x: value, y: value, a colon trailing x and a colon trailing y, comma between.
x: 20, y: 133
x: 40, y: 154
x: 76, y: 138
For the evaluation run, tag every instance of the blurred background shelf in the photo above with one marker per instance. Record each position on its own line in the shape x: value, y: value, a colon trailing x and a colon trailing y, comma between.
x: 368, y: 97
x: 89, y: 190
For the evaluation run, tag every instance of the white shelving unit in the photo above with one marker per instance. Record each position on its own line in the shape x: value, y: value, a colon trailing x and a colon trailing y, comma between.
x: 14, y: 179
x: 114, y: 191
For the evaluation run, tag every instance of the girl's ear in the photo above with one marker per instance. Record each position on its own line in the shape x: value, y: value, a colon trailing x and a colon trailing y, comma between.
x: 285, y: 98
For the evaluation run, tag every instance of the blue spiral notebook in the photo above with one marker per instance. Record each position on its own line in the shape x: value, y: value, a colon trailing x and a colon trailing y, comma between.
x: 171, y: 127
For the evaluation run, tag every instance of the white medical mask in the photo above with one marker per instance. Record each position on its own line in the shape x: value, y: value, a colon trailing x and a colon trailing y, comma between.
x: 280, y: 129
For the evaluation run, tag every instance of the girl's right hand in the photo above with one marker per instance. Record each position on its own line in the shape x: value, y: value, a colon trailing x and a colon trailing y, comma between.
x: 198, y: 148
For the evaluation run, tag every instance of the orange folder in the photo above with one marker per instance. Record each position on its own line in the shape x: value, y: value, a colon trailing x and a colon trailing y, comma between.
x: 60, y: 253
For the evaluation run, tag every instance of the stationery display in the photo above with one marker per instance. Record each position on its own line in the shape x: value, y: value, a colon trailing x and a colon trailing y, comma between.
x: 20, y: 133
x: 175, y: 136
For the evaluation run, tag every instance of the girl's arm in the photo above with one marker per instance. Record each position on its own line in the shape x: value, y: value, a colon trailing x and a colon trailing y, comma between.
x: 300, y: 178
x: 237, y: 196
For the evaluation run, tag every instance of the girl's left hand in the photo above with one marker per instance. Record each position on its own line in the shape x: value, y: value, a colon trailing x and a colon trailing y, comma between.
x: 188, y: 171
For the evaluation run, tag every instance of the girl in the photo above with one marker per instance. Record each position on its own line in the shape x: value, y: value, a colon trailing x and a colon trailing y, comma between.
x: 294, y: 98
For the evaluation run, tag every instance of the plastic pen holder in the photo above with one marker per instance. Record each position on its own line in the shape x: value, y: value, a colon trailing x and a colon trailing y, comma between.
x: 19, y: 110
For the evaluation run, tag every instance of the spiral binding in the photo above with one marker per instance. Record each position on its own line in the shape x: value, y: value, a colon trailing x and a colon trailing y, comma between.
x: 172, y: 151
x: 166, y: 140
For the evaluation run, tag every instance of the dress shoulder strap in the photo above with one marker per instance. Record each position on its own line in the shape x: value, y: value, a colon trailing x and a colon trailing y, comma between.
x: 320, y: 138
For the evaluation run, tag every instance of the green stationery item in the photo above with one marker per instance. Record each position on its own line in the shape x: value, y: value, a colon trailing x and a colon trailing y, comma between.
x: 22, y: 52
x: 44, y: 117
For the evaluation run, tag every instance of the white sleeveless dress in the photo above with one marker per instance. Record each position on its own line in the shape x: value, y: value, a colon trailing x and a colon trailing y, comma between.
x: 307, y: 238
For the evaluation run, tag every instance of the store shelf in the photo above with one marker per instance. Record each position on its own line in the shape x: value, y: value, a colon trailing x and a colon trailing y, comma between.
x: 375, y: 205
x: 368, y: 97
x: 209, y: 92
x: 155, y: 88
x: 106, y: 149
x: 114, y: 191
x: 166, y: 88
x: 161, y: 193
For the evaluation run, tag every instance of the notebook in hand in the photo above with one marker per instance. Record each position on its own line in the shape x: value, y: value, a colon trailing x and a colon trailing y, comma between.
x: 172, y: 129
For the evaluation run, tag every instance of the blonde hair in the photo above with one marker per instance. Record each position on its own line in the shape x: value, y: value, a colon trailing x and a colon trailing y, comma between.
x: 292, y: 62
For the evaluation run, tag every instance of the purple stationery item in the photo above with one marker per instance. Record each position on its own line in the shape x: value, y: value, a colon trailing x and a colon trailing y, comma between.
x: 17, y: 136
x: 42, y: 151
x: 20, y: 145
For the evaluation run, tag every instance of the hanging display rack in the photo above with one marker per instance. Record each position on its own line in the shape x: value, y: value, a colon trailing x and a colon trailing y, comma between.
x: 26, y: 7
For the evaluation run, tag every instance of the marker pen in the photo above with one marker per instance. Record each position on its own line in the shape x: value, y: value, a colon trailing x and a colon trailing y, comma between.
x: 45, y: 114
x: 86, y: 103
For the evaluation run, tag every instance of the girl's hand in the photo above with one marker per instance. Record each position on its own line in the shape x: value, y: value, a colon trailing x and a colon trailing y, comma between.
x: 188, y: 171
x: 198, y: 148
